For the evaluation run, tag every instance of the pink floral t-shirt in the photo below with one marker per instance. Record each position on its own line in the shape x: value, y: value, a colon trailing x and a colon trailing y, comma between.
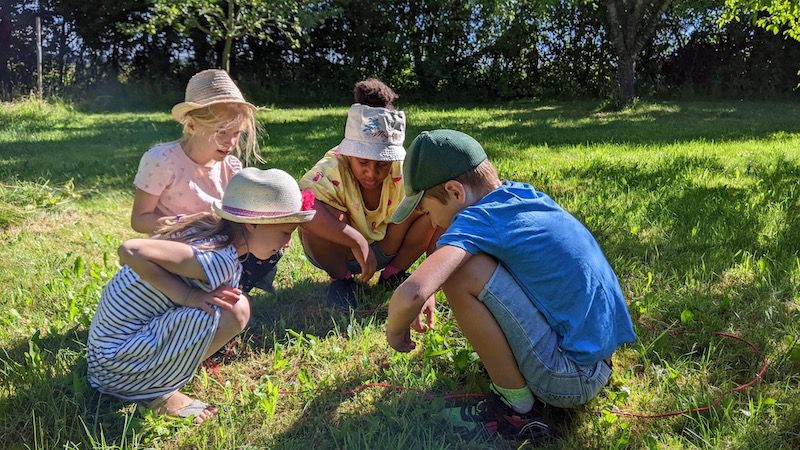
x: 183, y: 186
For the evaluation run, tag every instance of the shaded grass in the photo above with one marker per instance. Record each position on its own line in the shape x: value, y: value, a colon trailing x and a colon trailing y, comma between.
x: 695, y: 204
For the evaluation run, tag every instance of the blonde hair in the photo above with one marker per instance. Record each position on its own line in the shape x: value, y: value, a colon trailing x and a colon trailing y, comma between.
x: 208, y: 228
x: 224, y: 115
x: 481, y: 176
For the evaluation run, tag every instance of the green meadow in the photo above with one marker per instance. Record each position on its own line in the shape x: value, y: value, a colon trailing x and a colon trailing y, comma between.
x: 696, y: 205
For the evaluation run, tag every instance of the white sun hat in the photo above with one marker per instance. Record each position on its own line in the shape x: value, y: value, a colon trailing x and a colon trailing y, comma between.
x: 265, y: 196
x: 374, y: 133
x: 206, y: 88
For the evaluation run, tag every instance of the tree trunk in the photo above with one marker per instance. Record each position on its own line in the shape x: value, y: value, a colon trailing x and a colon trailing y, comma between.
x: 229, y: 33
x: 626, y: 79
x: 62, y: 53
x: 226, y: 54
x: 5, y: 52
x: 629, y: 28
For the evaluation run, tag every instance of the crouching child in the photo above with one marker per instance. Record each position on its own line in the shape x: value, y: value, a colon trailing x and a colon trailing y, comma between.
x: 528, y: 284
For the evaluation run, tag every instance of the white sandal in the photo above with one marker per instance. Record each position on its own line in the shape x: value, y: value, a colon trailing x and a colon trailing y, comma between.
x: 193, y: 409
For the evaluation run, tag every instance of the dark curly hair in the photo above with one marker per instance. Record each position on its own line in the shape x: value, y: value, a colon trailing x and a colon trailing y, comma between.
x: 374, y: 92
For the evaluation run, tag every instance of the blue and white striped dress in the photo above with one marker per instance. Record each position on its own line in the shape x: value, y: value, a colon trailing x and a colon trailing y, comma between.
x: 141, y: 344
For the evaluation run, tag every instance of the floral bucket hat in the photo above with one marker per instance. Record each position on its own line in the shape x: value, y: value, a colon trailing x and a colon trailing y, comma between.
x: 374, y: 133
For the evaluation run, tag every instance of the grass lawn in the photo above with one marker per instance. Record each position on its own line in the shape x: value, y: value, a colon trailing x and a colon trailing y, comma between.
x: 696, y: 205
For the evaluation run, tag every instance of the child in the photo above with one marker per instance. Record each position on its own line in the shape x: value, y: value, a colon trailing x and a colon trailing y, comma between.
x: 358, y: 186
x: 185, y: 177
x: 174, y: 302
x: 528, y: 284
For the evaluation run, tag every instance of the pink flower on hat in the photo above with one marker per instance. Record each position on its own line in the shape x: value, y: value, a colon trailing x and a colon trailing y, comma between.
x: 308, y: 200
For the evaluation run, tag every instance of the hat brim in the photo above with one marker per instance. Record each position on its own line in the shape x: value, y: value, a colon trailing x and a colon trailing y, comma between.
x: 298, y: 217
x: 179, y: 111
x: 376, y: 152
x: 406, y: 207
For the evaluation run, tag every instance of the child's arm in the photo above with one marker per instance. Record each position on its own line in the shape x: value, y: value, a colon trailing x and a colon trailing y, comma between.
x: 327, y: 225
x: 144, y: 219
x: 408, y: 299
x: 158, y: 261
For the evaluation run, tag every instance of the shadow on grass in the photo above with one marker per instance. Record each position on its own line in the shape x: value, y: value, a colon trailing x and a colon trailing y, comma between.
x: 49, y: 401
x: 350, y: 415
x: 719, y: 245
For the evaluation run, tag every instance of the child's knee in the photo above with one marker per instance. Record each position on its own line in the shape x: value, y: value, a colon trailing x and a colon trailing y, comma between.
x: 241, y: 312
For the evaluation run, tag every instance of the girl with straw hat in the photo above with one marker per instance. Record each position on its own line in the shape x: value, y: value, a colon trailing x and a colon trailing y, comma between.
x: 175, y: 301
x: 178, y: 179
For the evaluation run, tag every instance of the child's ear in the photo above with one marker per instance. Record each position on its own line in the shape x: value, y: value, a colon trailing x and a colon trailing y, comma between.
x: 455, y: 190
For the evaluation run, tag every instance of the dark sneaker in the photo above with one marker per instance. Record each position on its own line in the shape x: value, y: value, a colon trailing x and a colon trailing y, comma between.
x: 391, y: 283
x: 342, y: 294
x: 492, y: 416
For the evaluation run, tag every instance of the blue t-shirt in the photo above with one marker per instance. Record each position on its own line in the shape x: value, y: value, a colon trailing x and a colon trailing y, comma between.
x: 555, y: 260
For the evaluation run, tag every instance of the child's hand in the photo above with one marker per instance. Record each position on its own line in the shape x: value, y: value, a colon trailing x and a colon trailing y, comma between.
x: 366, y: 259
x: 428, y: 311
x: 401, y: 341
x: 224, y: 297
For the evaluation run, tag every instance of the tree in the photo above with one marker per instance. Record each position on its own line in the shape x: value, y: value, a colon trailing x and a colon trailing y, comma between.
x: 229, y: 20
x: 772, y: 15
x: 631, y: 24
x: 5, y: 49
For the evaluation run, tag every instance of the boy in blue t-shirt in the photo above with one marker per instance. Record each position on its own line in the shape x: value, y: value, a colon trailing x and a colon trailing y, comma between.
x: 527, y: 282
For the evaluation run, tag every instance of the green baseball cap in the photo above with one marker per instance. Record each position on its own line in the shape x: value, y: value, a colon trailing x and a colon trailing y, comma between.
x: 433, y: 158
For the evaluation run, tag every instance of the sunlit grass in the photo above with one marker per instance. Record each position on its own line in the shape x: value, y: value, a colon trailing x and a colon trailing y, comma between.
x: 695, y: 204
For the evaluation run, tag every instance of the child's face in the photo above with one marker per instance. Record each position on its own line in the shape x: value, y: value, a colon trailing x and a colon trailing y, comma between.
x: 370, y: 173
x: 440, y: 214
x: 217, y: 142
x: 265, y: 240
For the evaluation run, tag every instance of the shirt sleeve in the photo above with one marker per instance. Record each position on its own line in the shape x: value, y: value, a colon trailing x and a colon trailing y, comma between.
x: 221, y: 266
x: 473, y: 231
x: 153, y: 175
x: 325, y: 180
x: 234, y: 165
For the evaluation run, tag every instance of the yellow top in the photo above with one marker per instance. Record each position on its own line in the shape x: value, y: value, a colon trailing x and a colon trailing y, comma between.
x: 334, y: 185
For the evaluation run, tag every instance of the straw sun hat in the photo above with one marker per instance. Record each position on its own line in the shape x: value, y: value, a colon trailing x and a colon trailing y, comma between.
x: 265, y: 196
x: 207, y: 88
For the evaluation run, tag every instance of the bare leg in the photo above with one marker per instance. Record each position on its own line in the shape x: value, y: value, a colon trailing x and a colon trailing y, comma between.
x: 416, y: 240
x: 437, y: 233
x: 395, y: 235
x: 231, y: 323
x: 478, y: 324
x: 331, y: 256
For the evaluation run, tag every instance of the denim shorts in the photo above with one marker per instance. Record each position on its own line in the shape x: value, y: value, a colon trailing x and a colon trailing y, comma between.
x: 551, y: 375
x: 382, y: 260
